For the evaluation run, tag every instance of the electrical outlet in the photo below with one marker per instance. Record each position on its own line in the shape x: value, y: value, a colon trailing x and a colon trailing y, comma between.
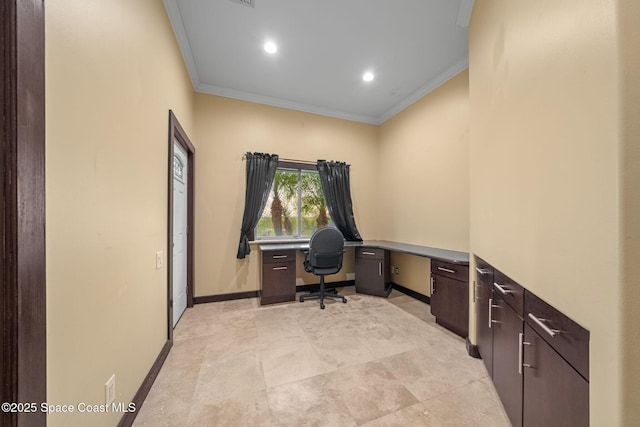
x: 396, y: 270
x: 110, y: 390
x: 158, y: 260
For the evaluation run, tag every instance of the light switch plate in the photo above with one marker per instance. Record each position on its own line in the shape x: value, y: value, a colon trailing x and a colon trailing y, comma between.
x: 158, y: 260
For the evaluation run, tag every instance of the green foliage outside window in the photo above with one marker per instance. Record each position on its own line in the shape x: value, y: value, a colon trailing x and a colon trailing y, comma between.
x: 296, y: 206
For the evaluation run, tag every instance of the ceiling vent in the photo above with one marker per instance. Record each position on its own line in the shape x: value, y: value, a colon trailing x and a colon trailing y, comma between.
x: 250, y: 3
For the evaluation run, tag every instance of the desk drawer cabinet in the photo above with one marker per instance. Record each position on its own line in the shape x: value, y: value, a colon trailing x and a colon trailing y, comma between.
x: 278, y: 277
x: 450, y: 296
x: 373, y: 271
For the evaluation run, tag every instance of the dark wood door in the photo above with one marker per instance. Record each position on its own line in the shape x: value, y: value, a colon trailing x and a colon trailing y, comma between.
x: 555, y: 394
x: 507, y: 378
x: 485, y: 332
x: 450, y: 303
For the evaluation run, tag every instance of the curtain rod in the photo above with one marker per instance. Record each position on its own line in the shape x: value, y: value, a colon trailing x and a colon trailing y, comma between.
x: 309, y: 162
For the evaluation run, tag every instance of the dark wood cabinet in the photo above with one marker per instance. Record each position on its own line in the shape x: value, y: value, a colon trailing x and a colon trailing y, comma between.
x: 556, y: 367
x: 373, y: 271
x: 450, y: 296
x: 278, y: 277
x: 484, y: 285
x: 507, y: 326
x: 556, y: 394
x: 539, y: 358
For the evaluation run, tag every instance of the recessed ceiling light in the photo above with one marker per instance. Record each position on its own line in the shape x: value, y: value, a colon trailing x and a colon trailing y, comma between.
x: 368, y: 76
x: 270, y: 47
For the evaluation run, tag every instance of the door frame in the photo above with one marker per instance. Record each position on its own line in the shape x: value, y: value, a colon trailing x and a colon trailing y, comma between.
x: 177, y: 133
x: 23, y: 321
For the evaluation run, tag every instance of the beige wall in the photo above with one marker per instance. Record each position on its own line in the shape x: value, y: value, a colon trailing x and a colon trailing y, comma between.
x: 545, y: 177
x: 629, y: 34
x: 113, y: 71
x: 225, y: 129
x: 423, y: 178
x: 414, y: 272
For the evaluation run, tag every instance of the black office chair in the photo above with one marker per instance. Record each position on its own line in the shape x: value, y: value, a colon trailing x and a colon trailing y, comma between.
x: 323, y: 258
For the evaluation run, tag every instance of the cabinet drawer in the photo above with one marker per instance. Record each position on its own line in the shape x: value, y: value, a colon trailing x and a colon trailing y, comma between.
x: 566, y: 337
x: 510, y: 291
x: 279, y: 256
x: 448, y: 269
x: 370, y: 253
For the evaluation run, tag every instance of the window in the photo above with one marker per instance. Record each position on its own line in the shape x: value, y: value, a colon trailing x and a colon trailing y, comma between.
x: 296, y: 206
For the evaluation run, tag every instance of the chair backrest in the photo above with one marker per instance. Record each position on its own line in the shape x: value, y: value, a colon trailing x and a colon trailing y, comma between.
x: 325, y: 250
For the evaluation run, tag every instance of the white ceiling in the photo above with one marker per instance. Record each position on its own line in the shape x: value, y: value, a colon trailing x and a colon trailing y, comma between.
x: 324, y: 48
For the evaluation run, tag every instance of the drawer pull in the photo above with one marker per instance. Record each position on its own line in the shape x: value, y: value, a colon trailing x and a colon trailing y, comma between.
x: 447, y: 270
x: 279, y: 268
x: 368, y: 253
x: 501, y: 288
x: 279, y: 256
x: 543, y: 326
x: 482, y: 271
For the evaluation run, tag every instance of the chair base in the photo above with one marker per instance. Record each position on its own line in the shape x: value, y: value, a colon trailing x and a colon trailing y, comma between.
x: 322, y: 294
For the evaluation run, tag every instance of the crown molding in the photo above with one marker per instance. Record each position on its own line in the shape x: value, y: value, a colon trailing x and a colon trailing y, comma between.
x: 175, y: 17
x: 432, y: 85
x: 283, y: 103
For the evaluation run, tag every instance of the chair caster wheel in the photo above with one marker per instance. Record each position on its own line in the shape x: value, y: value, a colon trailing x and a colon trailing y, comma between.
x: 322, y: 306
x: 344, y: 300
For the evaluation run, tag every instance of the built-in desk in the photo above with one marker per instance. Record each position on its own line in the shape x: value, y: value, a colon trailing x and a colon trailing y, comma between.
x: 372, y: 266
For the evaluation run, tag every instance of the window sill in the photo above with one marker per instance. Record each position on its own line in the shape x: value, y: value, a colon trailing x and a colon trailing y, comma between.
x: 276, y: 241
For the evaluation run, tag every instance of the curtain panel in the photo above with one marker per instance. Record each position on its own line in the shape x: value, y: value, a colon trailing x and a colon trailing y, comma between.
x: 261, y: 170
x: 336, y: 186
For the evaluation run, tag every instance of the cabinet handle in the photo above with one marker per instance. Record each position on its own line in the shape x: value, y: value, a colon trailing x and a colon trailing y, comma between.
x: 368, y: 253
x: 447, y: 270
x: 491, y: 307
x: 501, y: 288
x: 521, y: 344
x: 379, y: 269
x: 279, y: 256
x: 490, y: 311
x: 279, y: 268
x: 520, y: 340
x: 543, y: 326
x: 482, y: 271
x: 432, y: 289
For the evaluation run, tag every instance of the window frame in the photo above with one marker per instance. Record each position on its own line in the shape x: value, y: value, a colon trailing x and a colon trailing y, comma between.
x: 299, y: 167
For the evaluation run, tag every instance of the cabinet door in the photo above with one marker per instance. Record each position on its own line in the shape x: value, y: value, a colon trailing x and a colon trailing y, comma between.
x: 555, y: 394
x: 278, y: 282
x: 484, y: 327
x: 507, y: 377
x: 450, y: 303
x: 372, y: 275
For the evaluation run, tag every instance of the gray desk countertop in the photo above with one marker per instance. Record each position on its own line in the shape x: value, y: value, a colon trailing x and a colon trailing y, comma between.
x: 424, y: 251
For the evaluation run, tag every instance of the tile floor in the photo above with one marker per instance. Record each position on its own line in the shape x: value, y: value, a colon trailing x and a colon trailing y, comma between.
x: 370, y: 362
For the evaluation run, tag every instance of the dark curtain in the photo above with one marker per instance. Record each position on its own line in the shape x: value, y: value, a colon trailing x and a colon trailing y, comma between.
x: 261, y: 169
x: 336, y: 186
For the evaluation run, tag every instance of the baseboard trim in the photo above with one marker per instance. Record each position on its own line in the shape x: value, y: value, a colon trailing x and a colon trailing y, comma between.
x: 411, y: 293
x: 138, y: 400
x: 472, y: 349
x: 224, y: 297
x: 315, y: 287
